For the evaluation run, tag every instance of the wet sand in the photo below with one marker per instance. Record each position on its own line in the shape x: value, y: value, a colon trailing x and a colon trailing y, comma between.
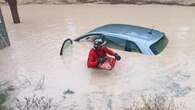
x: 35, y: 45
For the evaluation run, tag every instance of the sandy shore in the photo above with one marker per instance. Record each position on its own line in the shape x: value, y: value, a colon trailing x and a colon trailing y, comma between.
x: 35, y: 45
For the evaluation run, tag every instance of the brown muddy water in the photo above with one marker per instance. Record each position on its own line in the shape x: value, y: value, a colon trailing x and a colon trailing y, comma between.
x: 34, y: 66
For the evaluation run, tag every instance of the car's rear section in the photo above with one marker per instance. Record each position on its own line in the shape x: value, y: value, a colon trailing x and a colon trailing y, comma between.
x: 159, y: 45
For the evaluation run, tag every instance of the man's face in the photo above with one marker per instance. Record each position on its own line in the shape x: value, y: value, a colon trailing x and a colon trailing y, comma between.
x: 100, y: 47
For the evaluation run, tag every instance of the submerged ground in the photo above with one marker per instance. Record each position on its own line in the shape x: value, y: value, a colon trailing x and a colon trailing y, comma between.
x: 33, y: 65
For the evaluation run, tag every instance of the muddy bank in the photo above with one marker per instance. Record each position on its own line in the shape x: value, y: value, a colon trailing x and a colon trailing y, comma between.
x: 139, y: 2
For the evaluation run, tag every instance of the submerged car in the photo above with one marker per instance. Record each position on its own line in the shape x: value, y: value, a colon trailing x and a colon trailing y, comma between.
x: 128, y: 38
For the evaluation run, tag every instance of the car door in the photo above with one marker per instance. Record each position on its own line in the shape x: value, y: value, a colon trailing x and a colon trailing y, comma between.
x: 88, y: 37
x: 65, y: 46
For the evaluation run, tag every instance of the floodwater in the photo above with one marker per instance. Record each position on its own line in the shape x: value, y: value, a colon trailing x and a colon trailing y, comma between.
x: 34, y: 65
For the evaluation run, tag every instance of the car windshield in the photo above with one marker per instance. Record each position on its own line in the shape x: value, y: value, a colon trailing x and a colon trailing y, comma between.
x: 159, y: 45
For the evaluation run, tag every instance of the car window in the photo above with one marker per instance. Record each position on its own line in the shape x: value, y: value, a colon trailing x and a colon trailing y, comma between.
x: 131, y: 47
x: 159, y: 45
x: 114, y: 42
x: 121, y: 44
x: 90, y: 38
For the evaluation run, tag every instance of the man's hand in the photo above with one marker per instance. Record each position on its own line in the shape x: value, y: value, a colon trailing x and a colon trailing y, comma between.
x: 118, y: 57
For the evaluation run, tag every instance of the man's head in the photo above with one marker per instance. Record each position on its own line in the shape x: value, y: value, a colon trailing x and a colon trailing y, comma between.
x: 99, y: 43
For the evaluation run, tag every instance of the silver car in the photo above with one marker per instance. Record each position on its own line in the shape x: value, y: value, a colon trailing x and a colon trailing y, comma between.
x: 128, y: 38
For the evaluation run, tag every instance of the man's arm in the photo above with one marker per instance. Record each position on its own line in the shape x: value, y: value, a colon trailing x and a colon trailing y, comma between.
x: 92, y: 61
x: 109, y: 51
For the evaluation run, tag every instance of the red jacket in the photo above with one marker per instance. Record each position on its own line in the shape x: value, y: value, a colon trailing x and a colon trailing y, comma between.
x: 94, y: 54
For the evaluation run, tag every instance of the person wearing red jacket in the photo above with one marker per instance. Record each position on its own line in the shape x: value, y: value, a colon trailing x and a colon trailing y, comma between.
x: 102, y: 57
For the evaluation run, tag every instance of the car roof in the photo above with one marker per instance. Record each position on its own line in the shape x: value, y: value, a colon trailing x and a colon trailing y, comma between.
x: 130, y: 32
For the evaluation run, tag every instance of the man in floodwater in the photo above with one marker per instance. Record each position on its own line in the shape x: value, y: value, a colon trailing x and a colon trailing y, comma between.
x: 98, y: 56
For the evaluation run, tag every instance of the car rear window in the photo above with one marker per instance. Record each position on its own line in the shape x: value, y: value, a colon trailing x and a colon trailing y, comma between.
x: 159, y: 45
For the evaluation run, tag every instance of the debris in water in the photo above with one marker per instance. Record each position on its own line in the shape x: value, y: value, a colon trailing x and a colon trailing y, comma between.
x: 68, y: 92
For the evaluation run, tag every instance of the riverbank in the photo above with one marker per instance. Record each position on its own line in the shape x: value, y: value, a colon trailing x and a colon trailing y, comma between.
x: 135, y: 2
